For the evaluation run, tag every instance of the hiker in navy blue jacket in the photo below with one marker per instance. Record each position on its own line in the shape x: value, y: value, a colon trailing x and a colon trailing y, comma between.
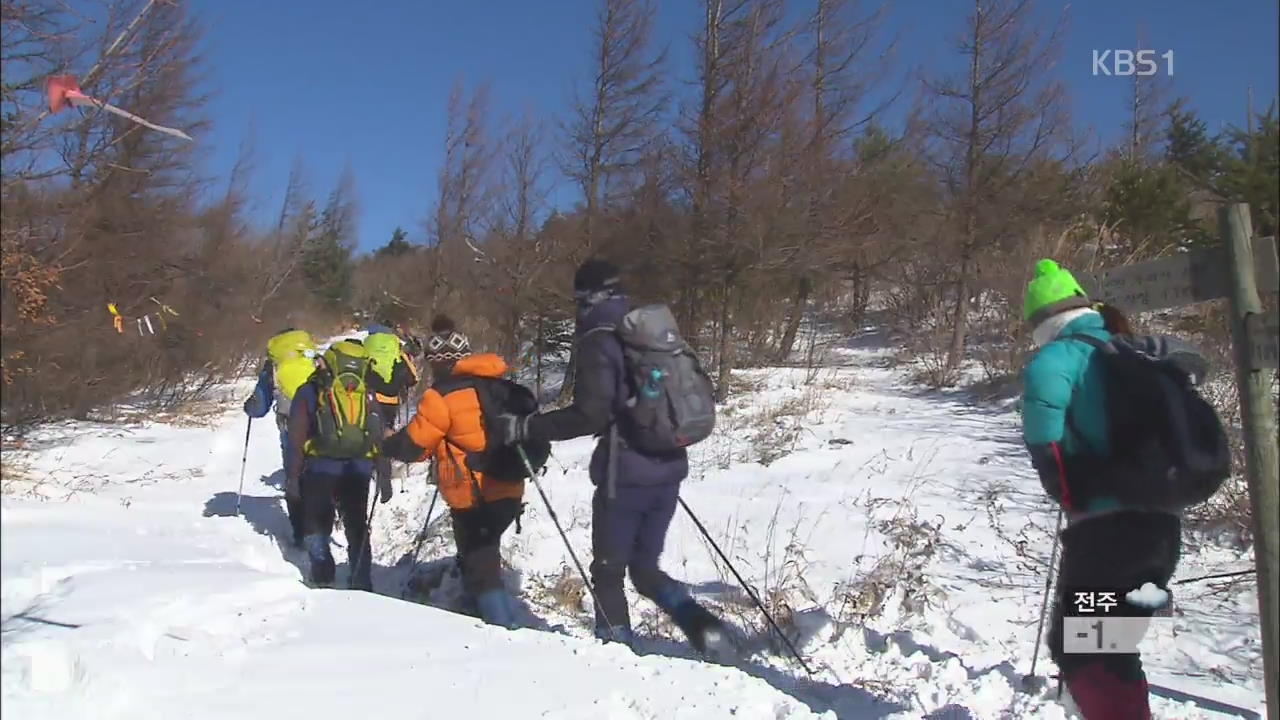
x: 628, y: 529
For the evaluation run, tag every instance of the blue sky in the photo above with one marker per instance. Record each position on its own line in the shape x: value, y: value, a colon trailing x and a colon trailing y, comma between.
x: 366, y: 83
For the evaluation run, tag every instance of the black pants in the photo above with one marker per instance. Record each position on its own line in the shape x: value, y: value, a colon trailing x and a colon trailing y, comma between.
x: 627, y: 534
x: 1123, y: 551
x: 322, y: 494
x: 389, y: 414
x: 293, y: 507
x: 477, y: 532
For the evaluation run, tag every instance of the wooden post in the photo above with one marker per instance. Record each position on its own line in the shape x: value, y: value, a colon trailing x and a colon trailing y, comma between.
x: 1262, y: 460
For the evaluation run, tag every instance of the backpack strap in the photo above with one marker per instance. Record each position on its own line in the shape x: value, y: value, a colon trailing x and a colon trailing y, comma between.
x: 1098, y: 344
x: 607, y: 327
x: 1102, y: 346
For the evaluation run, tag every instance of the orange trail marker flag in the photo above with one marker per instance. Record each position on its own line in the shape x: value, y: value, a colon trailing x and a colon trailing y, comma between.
x: 64, y: 90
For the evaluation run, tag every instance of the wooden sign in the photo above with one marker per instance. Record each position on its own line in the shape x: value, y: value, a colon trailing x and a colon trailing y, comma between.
x: 1264, y: 340
x: 1183, y: 279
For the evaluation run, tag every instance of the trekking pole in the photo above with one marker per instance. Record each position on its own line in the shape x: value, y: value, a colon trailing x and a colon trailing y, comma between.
x: 422, y: 536
x: 244, y: 460
x: 1219, y: 576
x: 745, y: 586
x: 556, y: 520
x: 1044, y: 603
x: 364, y: 542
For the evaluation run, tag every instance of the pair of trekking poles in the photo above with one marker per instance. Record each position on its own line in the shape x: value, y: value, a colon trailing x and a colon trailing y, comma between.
x: 533, y: 476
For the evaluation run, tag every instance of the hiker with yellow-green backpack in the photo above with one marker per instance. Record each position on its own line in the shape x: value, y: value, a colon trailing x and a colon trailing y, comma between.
x: 391, y: 376
x: 392, y: 373
x: 290, y: 363
x: 335, y: 430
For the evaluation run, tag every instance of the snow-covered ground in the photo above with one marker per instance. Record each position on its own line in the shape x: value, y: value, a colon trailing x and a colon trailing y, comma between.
x: 898, y: 535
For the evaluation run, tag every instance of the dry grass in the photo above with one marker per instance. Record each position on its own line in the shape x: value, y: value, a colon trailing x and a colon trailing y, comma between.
x: 764, y: 433
x: 567, y: 590
x: 903, y: 571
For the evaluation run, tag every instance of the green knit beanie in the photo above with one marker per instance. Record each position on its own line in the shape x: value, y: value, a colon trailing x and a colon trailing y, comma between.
x: 1050, y: 292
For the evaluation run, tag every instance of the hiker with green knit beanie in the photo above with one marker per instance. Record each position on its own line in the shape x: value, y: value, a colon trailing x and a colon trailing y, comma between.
x: 1054, y: 299
x: 1108, y: 542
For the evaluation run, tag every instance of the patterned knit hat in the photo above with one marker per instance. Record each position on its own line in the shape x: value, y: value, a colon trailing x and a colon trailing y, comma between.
x: 1053, y: 290
x: 446, y: 344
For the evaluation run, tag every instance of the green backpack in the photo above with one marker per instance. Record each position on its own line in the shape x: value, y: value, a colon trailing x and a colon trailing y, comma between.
x: 347, y: 425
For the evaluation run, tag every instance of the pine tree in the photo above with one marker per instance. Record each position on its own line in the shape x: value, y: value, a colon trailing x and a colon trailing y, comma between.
x: 397, y: 246
x: 326, y: 260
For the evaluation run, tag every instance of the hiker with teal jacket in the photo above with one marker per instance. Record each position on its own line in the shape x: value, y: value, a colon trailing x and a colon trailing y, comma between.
x: 1115, y: 537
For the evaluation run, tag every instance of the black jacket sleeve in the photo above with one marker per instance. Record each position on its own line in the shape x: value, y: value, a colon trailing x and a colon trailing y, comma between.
x: 598, y: 373
x: 300, y: 412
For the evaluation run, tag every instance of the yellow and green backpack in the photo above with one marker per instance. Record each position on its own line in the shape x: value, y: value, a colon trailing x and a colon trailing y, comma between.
x: 289, y: 356
x: 384, y: 351
x: 347, y: 425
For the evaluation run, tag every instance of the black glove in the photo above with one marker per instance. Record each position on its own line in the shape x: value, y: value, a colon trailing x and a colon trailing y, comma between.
x: 512, y: 429
x: 249, y: 405
x: 400, y: 447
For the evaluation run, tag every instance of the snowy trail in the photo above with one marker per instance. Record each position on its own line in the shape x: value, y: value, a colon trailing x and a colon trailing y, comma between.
x: 124, y: 603
x: 900, y: 536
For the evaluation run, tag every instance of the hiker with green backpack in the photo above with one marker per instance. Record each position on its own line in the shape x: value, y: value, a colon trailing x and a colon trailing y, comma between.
x: 392, y: 372
x: 335, y: 431
x: 1123, y: 443
x: 391, y: 376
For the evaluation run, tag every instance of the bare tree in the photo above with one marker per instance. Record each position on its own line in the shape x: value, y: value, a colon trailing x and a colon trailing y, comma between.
x: 464, y: 192
x: 519, y: 253
x: 989, y: 127
x: 845, y: 62
x: 1148, y: 103
x: 613, y: 121
x: 745, y: 94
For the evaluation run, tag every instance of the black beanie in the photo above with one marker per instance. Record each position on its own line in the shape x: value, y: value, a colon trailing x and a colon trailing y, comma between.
x: 594, y: 276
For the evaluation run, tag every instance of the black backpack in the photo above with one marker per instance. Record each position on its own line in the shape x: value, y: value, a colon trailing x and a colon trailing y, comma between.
x: 499, y: 396
x: 673, y: 403
x: 1168, y: 447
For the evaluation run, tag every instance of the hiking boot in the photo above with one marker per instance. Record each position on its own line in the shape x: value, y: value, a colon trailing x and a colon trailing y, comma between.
x: 617, y: 633
x: 495, y: 608
x: 323, y: 569
x: 705, y: 631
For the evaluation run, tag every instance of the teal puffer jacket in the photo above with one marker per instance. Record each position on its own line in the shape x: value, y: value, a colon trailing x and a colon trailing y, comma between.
x: 1064, y: 411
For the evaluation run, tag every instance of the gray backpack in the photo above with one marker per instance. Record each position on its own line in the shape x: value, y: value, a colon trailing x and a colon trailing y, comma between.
x: 673, y: 405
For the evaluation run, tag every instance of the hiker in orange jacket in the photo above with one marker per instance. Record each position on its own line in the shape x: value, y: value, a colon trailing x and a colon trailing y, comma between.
x: 447, y: 427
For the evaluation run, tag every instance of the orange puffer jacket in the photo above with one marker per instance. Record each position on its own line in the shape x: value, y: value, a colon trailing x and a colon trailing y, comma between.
x: 456, y: 416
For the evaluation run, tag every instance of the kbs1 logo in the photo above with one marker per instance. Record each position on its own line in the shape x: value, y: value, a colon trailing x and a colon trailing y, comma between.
x: 1125, y: 63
